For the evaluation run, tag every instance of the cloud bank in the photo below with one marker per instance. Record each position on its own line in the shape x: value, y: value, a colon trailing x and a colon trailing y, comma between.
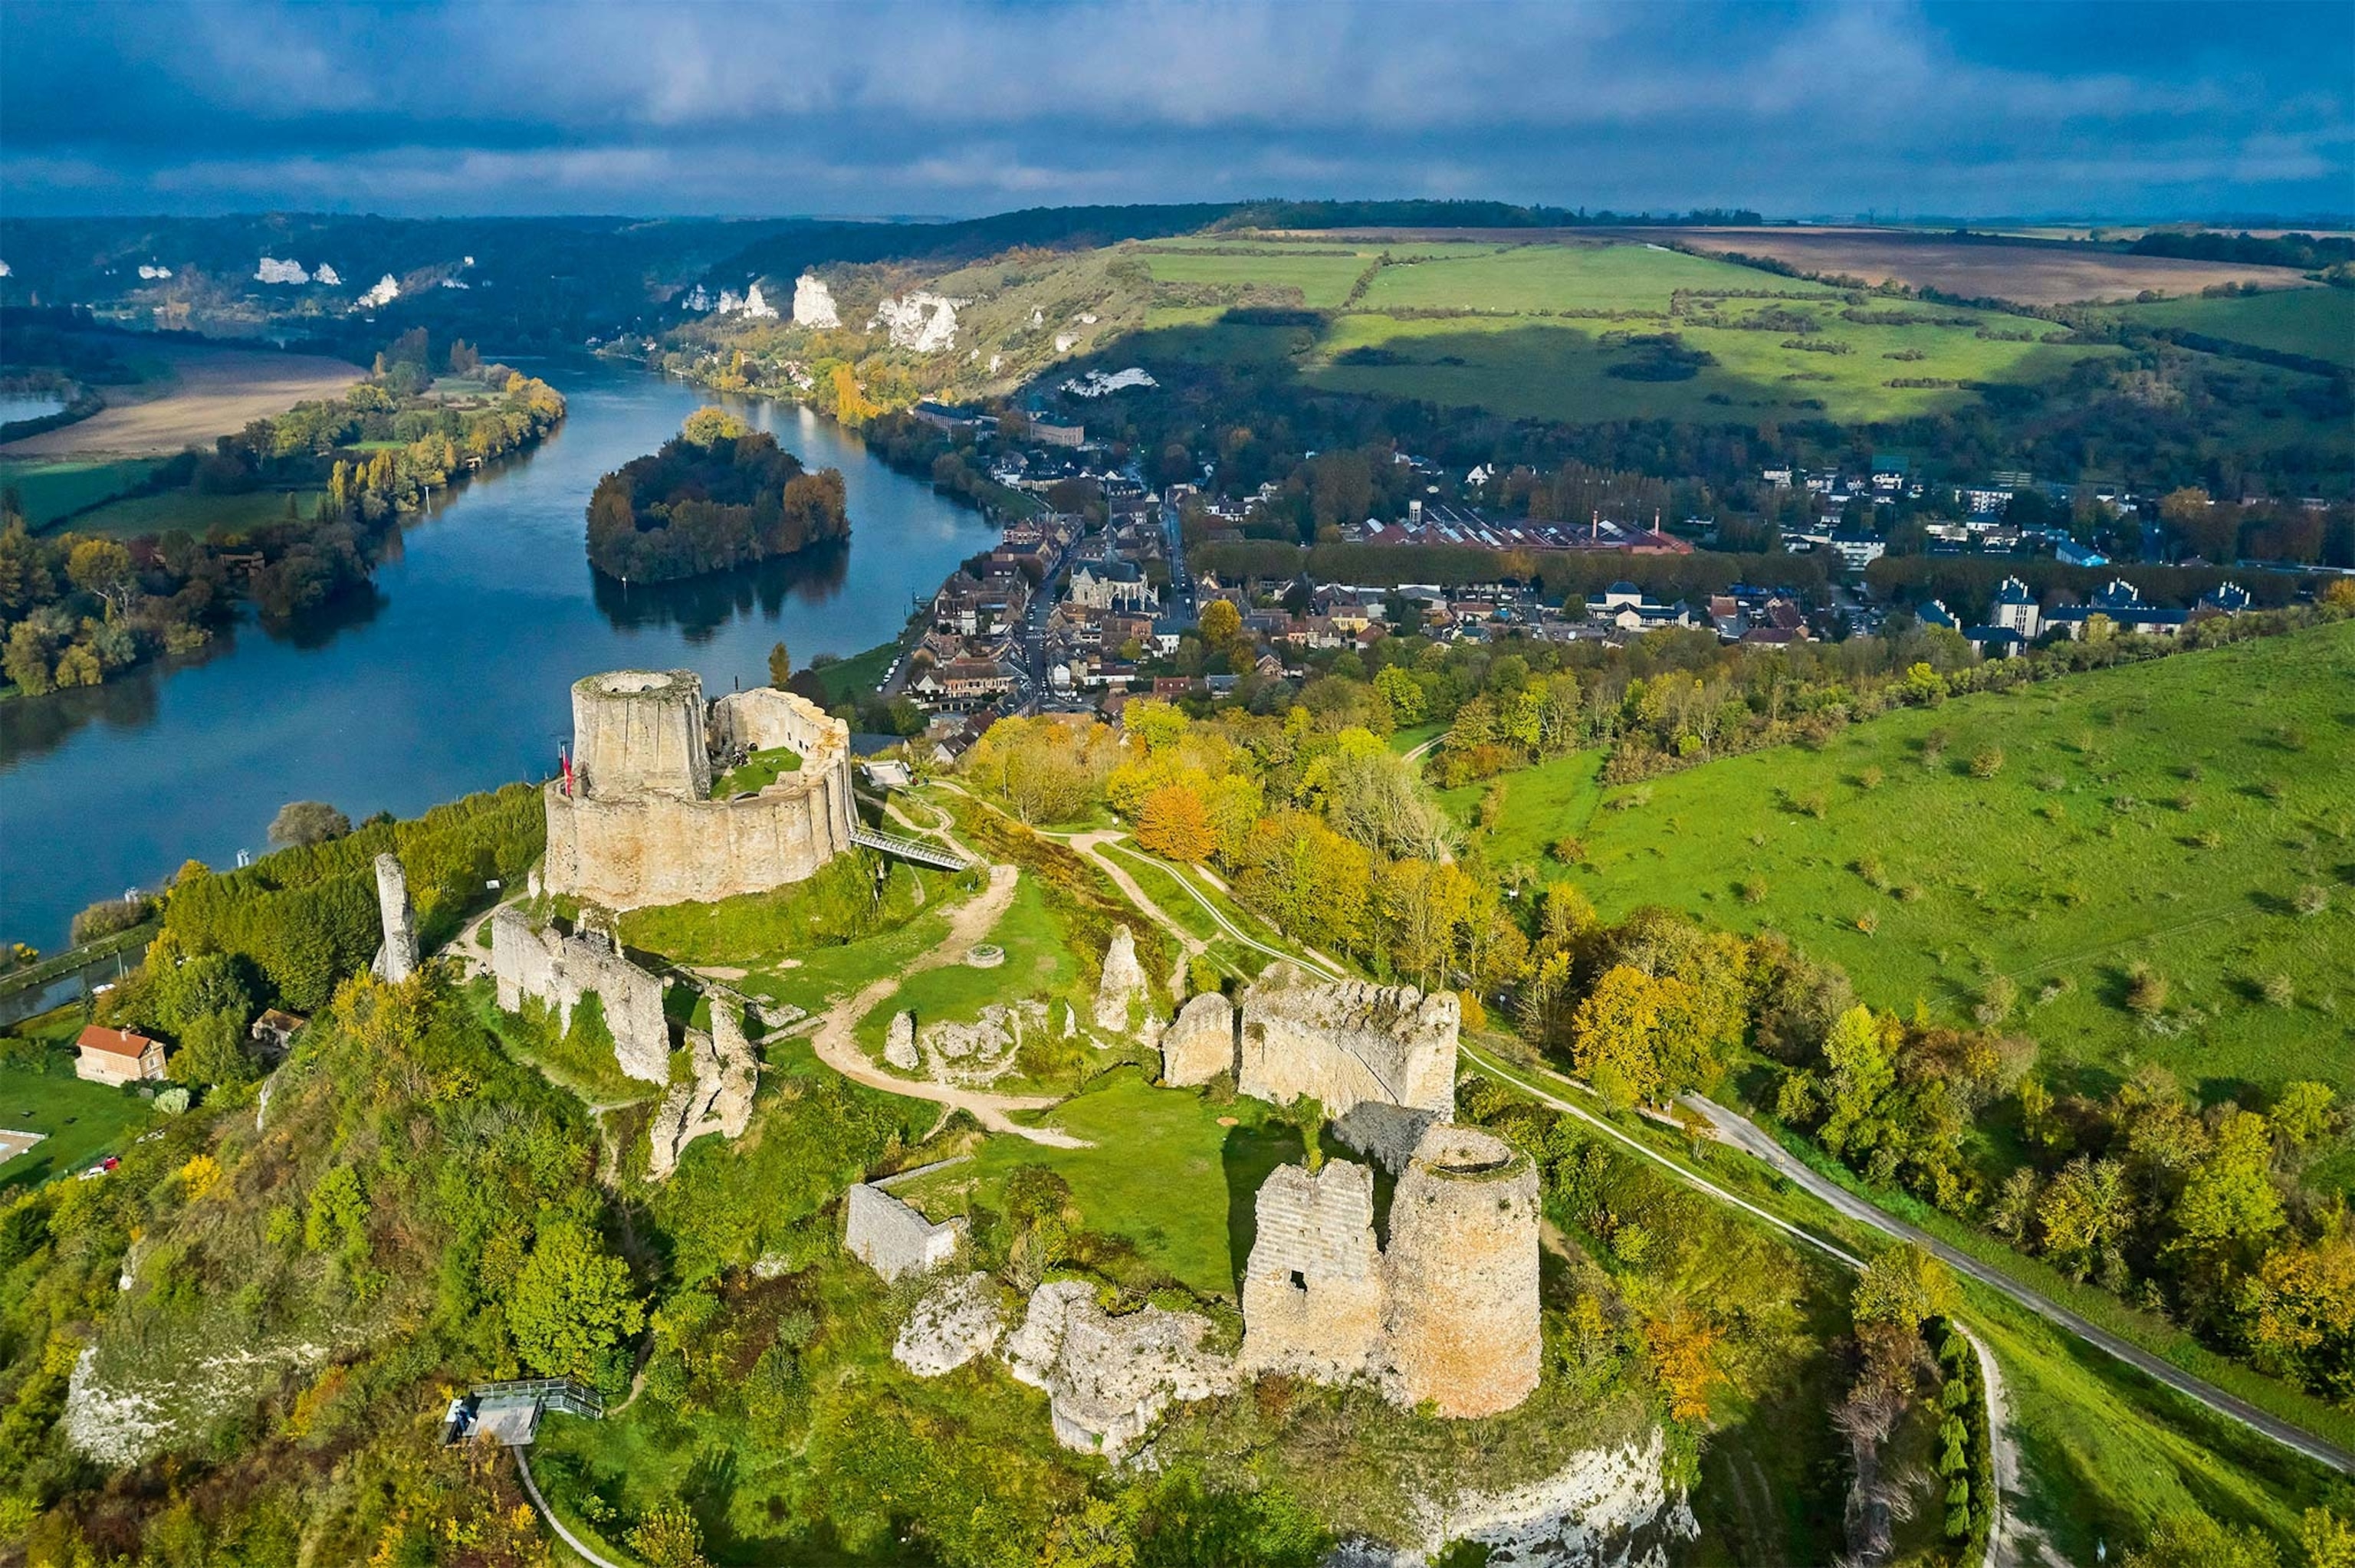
x: 1796, y: 108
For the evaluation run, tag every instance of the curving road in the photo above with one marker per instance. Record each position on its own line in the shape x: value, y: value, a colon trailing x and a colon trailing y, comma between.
x: 1738, y: 1130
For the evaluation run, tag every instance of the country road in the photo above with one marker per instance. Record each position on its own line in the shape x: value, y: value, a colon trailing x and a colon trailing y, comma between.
x: 1732, y: 1127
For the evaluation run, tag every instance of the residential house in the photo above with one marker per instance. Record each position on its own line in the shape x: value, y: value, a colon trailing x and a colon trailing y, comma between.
x: 2016, y: 610
x: 105, y: 1055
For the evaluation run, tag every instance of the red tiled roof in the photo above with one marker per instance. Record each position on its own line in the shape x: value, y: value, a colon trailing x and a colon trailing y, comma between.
x: 114, y: 1043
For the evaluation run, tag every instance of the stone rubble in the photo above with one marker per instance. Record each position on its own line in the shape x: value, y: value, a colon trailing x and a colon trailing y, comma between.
x: 955, y: 1324
x: 1108, y: 1379
x: 720, y: 1098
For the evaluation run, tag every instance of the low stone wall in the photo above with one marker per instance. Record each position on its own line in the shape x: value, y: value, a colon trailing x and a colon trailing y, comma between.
x: 557, y: 970
x: 657, y: 842
x: 893, y: 1239
x: 1108, y: 1379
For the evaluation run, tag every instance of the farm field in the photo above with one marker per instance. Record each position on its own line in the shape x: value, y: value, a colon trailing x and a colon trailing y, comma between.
x: 209, y: 391
x: 133, y: 516
x: 2180, y: 815
x: 2316, y: 322
x: 1555, y: 331
x: 1977, y: 268
x: 50, y: 488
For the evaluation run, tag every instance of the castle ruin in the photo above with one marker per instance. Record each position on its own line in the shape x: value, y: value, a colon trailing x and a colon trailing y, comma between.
x: 634, y: 825
x: 557, y: 970
x: 1379, y: 1059
x: 396, y: 960
x: 1445, y: 1314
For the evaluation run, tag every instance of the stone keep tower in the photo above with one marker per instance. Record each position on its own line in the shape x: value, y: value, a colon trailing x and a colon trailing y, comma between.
x: 1312, y: 1292
x: 1461, y: 1317
x: 638, y: 825
x: 640, y: 732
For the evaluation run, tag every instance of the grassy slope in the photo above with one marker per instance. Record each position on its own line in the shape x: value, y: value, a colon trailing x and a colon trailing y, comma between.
x: 1162, y: 1173
x: 1557, y: 797
x: 2055, y: 885
x: 84, y: 1121
x: 2318, y: 322
x: 48, y: 488
x: 137, y: 515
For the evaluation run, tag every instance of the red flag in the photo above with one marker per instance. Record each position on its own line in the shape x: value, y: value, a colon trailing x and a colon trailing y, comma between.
x: 565, y: 758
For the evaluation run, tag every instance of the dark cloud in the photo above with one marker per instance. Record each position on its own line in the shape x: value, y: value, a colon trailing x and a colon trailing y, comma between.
x: 2109, y: 109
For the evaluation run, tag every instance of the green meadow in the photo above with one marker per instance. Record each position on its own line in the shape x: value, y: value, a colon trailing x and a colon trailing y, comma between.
x: 50, y: 488
x: 2194, y: 816
x: 2316, y: 322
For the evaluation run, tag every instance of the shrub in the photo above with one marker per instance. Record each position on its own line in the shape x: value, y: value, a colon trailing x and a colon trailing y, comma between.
x: 1909, y: 893
x: 1989, y: 763
x: 109, y: 915
x: 2279, y: 990
x: 2145, y: 991
x: 2312, y: 900
x: 2208, y: 838
x: 1870, y: 779
x: 1996, y: 1001
x: 2054, y: 989
x: 1570, y: 849
x: 2050, y: 783
x: 1813, y: 803
x: 1868, y: 922
x: 301, y: 822
x: 1753, y: 890
x: 1875, y: 874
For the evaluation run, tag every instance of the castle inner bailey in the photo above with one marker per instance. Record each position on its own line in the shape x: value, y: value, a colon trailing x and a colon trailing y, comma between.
x: 558, y: 970
x: 1447, y: 1313
x: 638, y: 825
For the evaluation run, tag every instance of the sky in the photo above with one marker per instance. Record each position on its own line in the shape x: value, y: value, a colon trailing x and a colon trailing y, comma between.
x: 2112, y: 109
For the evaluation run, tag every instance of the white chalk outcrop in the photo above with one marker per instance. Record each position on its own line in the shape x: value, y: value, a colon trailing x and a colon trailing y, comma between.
x: 1100, y: 384
x: 153, y: 272
x: 271, y: 271
x: 327, y: 275
x: 751, y: 304
x: 920, y: 320
x: 813, y: 303
x: 386, y: 289
x: 1608, y: 1508
x: 959, y: 1322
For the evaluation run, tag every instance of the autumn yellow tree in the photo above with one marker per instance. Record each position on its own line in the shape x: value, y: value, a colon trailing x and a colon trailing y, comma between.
x: 1611, y: 1036
x: 1175, y: 824
x: 1684, y: 1358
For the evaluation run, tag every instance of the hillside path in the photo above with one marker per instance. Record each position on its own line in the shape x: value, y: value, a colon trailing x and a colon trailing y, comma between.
x: 1090, y: 846
x: 838, y: 1050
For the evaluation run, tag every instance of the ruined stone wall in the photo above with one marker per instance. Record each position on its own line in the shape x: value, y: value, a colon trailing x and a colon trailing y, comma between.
x: 1108, y: 1379
x: 893, y: 1239
x: 1312, y: 1292
x: 1461, y: 1275
x: 1348, y: 1042
x: 718, y: 1099
x: 661, y: 844
x: 399, y: 960
x: 557, y: 970
x: 1201, y: 1044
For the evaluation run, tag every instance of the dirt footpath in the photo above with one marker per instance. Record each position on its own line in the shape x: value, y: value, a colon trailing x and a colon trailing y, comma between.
x: 213, y: 391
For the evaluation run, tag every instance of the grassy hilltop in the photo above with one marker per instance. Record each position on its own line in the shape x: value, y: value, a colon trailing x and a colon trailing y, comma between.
x: 2184, y: 816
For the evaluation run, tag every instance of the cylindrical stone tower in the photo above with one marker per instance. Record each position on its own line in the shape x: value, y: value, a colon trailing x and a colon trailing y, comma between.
x: 1462, y: 1264
x: 640, y: 732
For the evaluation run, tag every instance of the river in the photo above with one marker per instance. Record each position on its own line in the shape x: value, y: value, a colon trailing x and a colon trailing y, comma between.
x: 454, y: 673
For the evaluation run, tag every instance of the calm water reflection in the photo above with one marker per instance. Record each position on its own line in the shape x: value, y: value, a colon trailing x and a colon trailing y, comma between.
x: 452, y: 674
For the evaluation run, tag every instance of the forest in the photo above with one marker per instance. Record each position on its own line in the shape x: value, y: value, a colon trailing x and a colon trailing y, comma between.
x: 718, y: 494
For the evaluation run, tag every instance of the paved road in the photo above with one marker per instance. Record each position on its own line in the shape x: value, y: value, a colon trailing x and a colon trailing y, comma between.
x: 1732, y: 1127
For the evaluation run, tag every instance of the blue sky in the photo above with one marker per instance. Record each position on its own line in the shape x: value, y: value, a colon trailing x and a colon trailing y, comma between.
x: 2108, y: 110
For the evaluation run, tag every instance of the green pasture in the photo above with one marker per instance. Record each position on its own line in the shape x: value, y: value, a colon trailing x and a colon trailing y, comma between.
x: 2170, y: 814
x: 1038, y: 963
x: 2316, y: 322
x: 50, y: 488
x: 1542, y: 805
x: 133, y: 516
x: 84, y: 1121
x: 1324, y: 282
x: 1159, y: 1172
x: 1531, y: 278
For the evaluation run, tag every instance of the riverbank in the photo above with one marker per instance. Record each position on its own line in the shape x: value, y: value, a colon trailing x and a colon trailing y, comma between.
x: 450, y: 673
